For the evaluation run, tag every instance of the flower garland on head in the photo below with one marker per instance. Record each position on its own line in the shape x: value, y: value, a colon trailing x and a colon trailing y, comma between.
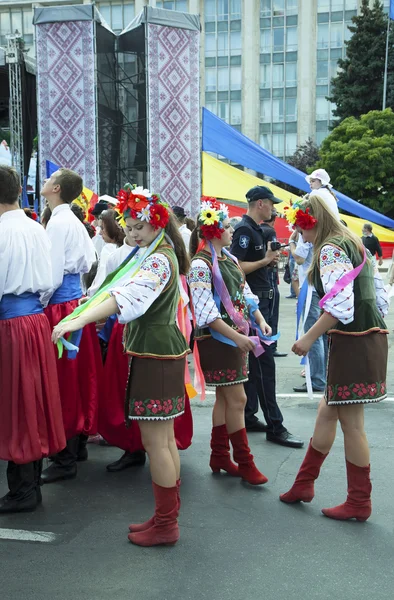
x: 139, y: 203
x: 297, y: 217
x: 211, y: 217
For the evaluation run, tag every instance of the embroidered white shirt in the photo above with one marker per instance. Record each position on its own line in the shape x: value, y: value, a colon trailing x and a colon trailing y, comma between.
x: 135, y: 297
x: 200, y: 283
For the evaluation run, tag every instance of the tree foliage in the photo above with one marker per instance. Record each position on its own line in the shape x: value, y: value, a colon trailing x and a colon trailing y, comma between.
x: 304, y: 158
x: 358, y: 86
x: 359, y: 156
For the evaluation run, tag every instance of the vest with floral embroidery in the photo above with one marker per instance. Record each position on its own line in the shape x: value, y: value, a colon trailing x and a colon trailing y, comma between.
x: 366, y: 313
x: 234, y: 279
x: 155, y: 334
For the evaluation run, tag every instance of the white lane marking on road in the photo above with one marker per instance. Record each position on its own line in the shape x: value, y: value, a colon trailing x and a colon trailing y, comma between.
x: 299, y: 395
x: 21, y: 535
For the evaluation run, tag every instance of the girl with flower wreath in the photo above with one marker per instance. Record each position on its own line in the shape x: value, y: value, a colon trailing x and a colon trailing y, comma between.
x: 144, y: 292
x: 354, y: 302
x: 221, y: 299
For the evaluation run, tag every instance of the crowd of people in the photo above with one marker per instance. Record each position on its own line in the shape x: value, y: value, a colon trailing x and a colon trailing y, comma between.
x: 95, y: 332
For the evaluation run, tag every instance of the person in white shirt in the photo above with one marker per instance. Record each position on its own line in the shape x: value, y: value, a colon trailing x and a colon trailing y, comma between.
x: 31, y: 424
x: 98, y: 241
x: 72, y: 255
x: 113, y: 236
x: 185, y: 232
x: 320, y: 184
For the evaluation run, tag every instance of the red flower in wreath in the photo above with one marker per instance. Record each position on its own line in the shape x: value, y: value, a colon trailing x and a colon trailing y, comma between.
x: 211, y: 231
x: 304, y: 220
x: 159, y: 216
x: 123, y: 200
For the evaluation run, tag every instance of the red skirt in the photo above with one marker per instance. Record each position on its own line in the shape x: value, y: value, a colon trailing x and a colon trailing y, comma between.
x: 31, y: 425
x: 111, y: 421
x: 80, y: 379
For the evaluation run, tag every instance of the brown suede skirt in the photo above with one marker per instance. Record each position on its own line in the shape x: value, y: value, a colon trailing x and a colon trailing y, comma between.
x: 357, y: 368
x: 222, y: 364
x: 155, y: 389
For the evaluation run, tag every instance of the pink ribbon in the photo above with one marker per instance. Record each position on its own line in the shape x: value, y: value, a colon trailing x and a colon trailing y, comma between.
x: 340, y: 285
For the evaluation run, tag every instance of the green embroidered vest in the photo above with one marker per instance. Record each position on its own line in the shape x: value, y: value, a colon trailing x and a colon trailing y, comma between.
x: 234, y: 279
x: 155, y: 334
x: 366, y: 313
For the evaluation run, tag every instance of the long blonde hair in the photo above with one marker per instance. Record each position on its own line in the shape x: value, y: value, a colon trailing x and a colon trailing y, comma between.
x: 328, y: 227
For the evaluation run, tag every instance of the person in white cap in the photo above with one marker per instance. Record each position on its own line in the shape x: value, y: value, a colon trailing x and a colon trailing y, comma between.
x: 320, y: 184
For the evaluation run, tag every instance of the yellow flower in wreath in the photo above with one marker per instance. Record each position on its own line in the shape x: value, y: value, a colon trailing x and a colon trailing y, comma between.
x: 209, y: 216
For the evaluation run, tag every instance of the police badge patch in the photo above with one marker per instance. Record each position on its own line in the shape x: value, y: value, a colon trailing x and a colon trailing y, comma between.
x: 244, y: 241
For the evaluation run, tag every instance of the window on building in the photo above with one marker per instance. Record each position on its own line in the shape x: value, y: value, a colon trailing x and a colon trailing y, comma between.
x: 291, y: 38
x: 235, y: 113
x: 291, y: 109
x: 265, y: 110
x: 323, y: 5
x: 223, y: 111
x: 278, y: 7
x: 279, y: 39
x: 222, y: 10
x: 210, y: 10
x: 210, y: 44
x: 291, y: 7
x: 223, y: 79
x: 322, y: 72
x: 277, y: 110
x: 265, y: 76
x: 265, y: 40
x: 321, y: 109
x: 322, y: 35
x: 181, y: 5
x: 291, y: 74
x: 210, y: 80
x: 265, y: 141
x: 235, y: 40
x: 278, y: 144
x: 350, y: 4
x: 222, y: 43
x: 336, y: 35
x: 277, y: 75
x: 290, y: 144
x: 235, y: 78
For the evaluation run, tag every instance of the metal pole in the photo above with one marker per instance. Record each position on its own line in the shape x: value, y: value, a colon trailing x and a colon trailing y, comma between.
x: 386, y: 63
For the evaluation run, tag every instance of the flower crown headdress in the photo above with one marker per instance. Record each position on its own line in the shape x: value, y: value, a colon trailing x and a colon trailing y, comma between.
x: 139, y: 203
x: 297, y: 217
x: 211, y: 217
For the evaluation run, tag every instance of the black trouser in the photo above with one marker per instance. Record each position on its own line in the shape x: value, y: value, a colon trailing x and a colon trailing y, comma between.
x: 23, y: 479
x: 261, y: 386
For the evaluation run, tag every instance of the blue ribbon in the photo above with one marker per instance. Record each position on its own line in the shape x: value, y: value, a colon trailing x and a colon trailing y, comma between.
x: 106, y: 331
x: 252, y: 308
x: 300, y: 309
x: 72, y: 344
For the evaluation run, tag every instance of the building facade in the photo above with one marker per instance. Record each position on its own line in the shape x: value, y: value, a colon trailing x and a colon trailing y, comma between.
x: 266, y: 65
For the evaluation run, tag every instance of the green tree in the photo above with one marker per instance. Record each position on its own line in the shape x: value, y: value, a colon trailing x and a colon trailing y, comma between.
x: 305, y: 156
x: 359, y: 156
x: 358, y: 86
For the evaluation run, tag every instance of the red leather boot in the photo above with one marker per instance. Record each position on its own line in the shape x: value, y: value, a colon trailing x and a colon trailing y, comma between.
x: 303, y: 489
x: 150, y: 522
x: 241, y: 452
x: 165, y: 530
x: 358, y: 503
x: 220, y: 455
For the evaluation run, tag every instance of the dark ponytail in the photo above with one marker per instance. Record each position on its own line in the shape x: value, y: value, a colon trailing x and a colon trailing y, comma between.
x: 179, y: 246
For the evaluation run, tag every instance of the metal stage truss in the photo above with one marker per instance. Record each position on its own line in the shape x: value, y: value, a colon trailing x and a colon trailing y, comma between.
x: 14, y: 58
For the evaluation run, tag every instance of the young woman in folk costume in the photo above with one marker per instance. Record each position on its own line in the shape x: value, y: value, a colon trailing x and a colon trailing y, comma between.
x: 221, y: 300
x: 111, y: 417
x: 145, y: 294
x: 354, y: 302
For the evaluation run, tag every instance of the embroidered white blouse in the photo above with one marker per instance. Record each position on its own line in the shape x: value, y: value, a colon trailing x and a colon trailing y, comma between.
x: 25, y: 253
x: 137, y: 295
x: 72, y: 249
x: 200, y: 283
x: 334, y: 263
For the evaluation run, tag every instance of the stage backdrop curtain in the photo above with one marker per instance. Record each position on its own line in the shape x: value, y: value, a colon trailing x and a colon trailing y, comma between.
x: 222, y: 139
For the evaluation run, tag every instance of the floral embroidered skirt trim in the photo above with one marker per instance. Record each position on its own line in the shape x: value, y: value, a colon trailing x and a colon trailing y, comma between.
x: 222, y: 364
x: 155, y: 389
x: 357, y: 368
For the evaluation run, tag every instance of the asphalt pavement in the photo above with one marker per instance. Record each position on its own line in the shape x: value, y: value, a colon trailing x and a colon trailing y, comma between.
x: 237, y: 541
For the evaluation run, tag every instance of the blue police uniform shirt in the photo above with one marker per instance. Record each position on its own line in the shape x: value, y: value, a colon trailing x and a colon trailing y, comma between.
x: 249, y: 245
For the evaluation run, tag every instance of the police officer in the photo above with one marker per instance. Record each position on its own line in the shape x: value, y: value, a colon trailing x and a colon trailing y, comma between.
x: 269, y: 234
x: 249, y: 247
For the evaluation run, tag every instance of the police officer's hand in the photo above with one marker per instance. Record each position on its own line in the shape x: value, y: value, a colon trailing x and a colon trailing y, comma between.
x: 272, y: 256
x: 244, y: 343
